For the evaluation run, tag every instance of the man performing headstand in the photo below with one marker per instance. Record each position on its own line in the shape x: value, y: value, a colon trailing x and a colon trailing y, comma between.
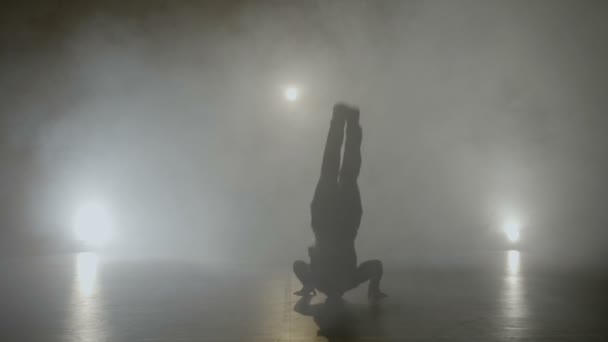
x: 335, y: 217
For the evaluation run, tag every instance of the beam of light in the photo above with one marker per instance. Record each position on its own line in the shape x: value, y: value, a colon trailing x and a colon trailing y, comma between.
x: 92, y: 224
x: 512, y: 230
x: 291, y: 93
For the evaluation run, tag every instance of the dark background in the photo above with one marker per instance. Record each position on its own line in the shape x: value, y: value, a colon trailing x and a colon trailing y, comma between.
x: 171, y: 114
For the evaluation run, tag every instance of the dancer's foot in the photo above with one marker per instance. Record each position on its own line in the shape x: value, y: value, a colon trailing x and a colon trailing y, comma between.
x: 348, y: 112
x: 353, y: 117
x: 341, y: 112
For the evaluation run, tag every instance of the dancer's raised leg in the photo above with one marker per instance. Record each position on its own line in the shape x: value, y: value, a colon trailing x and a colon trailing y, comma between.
x: 324, y: 197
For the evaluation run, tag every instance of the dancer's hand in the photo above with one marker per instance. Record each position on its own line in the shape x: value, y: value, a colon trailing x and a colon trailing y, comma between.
x: 304, y: 292
x: 376, y: 296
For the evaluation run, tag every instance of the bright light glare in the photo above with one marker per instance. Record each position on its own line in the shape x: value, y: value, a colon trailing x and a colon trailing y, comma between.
x: 86, y: 273
x: 92, y: 224
x: 512, y: 230
x: 513, y: 262
x: 291, y: 93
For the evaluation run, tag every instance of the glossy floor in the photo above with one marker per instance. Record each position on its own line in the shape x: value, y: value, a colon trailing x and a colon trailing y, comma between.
x: 501, y: 297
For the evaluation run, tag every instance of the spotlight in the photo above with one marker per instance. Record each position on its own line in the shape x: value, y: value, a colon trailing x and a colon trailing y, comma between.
x: 291, y: 93
x: 512, y: 230
x: 92, y: 224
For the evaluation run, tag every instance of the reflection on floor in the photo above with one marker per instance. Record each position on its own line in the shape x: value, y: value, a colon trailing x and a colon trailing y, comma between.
x: 503, y: 298
x: 86, y: 315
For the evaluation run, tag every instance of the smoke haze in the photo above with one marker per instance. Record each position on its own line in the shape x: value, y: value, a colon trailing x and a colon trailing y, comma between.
x: 172, y: 115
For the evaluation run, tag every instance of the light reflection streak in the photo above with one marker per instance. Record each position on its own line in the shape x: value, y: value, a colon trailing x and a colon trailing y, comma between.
x: 86, y: 321
x: 513, y: 261
x: 513, y: 304
x: 86, y: 273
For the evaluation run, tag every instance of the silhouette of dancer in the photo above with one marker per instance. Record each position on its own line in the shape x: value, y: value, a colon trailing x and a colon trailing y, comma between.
x: 335, y: 217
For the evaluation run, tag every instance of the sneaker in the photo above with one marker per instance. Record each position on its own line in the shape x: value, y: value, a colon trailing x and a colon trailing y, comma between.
x: 353, y: 116
x: 341, y: 111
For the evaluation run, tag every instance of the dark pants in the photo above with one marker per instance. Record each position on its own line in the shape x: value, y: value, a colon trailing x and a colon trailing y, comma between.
x: 337, y: 192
